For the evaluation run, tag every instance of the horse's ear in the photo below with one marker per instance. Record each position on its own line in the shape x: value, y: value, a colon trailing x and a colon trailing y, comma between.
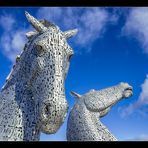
x: 74, y: 94
x: 30, y: 34
x: 70, y: 33
x: 35, y: 23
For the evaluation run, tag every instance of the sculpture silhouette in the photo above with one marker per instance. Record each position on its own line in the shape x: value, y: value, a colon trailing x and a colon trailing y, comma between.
x: 83, y: 121
x: 33, y: 97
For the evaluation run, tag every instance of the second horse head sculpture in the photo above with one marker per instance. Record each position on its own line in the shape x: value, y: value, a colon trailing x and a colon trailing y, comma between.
x: 84, y: 119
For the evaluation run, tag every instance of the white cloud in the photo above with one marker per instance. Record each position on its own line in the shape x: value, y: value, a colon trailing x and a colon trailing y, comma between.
x: 12, y: 43
x: 137, y: 26
x: 13, y: 39
x: 141, y: 103
x: 142, y: 137
x: 7, y: 22
x: 144, y: 93
x: 18, y: 40
x: 94, y: 22
x: 91, y: 22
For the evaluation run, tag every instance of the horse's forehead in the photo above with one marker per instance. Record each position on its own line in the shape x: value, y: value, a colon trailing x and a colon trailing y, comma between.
x: 96, y: 93
x: 104, y: 93
x: 52, y: 36
x: 90, y: 94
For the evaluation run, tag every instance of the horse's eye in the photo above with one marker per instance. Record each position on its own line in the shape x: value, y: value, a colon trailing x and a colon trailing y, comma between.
x: 39, y: 50
x: 70, y: 57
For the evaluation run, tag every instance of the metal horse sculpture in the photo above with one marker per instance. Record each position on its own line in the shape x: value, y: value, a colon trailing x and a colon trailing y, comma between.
x: 83, y: 122
x: 33, y: 97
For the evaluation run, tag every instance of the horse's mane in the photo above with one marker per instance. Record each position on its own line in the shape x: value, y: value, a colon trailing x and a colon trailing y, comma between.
x: 13, y: 71
x: 15, y: 66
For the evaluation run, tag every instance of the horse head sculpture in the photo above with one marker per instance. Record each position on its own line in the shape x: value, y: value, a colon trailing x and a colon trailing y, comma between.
x: 83, y: 121
x: 36, y: 82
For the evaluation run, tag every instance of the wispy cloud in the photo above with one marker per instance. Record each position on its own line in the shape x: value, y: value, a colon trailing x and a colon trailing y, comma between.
x: 13, y: 38
x: 7, y: 19
x: 141, y: 103
x: 91, y: 22
x: 137, y: 26
x: 142, y: 137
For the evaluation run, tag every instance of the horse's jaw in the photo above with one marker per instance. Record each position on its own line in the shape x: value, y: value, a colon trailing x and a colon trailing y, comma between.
x: 53, y: 115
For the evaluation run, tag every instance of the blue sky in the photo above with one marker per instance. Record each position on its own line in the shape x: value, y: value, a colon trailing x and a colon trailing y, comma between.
x: 110, y: 47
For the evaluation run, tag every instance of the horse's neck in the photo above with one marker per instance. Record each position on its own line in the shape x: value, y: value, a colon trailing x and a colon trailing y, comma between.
x: 90, y: 118
x: 16, y: 99
x: 15, y: 83
x: 19, y: 69
x: 102, y: 129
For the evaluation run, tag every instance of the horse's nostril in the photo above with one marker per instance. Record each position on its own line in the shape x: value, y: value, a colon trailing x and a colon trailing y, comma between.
x: 47, y: 109
x: 129, y: 88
